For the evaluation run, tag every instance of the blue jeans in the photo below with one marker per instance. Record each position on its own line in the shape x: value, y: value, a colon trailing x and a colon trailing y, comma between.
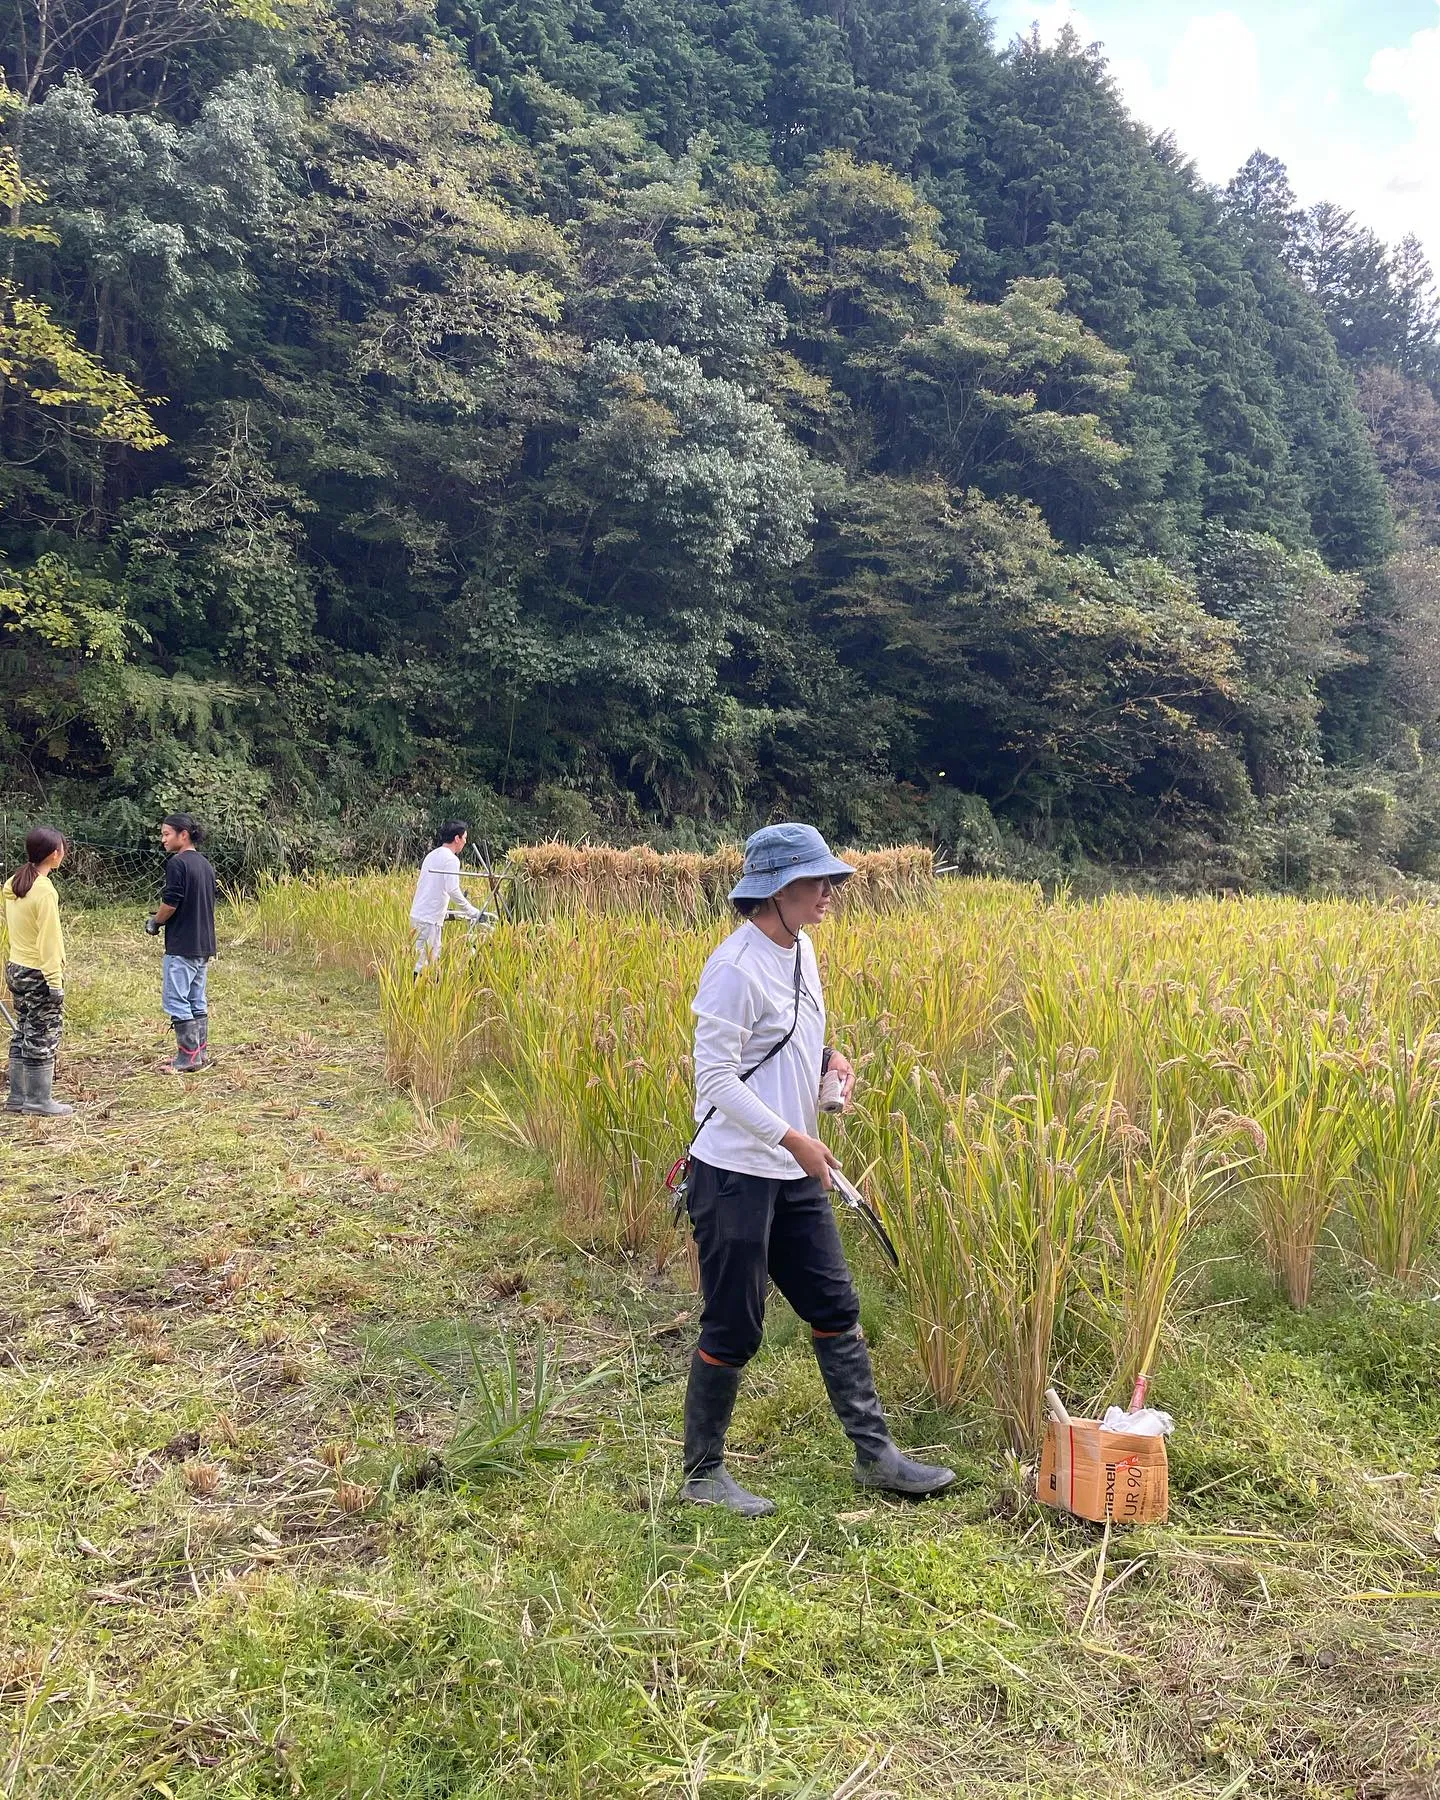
x: 182, y: 986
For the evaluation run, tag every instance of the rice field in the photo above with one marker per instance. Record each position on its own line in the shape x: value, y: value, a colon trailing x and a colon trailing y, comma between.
x: 1059, y: 1102
x: 341, y: 1433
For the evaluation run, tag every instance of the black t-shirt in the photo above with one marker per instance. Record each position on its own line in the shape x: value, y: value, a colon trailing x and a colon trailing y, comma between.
x: 190, y: 889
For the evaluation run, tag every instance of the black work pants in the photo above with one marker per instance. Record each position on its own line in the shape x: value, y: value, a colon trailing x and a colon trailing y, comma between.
x: 751, y: 1231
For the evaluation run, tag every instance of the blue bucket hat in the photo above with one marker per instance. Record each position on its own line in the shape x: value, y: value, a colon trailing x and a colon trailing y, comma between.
x: 776, y: 855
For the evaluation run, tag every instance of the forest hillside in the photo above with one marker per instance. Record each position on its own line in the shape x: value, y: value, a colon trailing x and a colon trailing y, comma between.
x: 640, y: 417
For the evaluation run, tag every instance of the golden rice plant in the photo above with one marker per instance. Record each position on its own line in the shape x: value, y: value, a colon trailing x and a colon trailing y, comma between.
x: 433, y: 1022
x: 594, y: 1051
x: 888, y: 880
x: 543, y: 1100
x: 1021, y: 1181
x: 1093, y: 987
x: 938, y: 977
x: 1294, y: 1090
x: 647, y: 1121
x: 1393, y: 1116
x: 353, y: 922
x: 894, y: 1141
x: 935, y: 1264
x: 643, y: 1091
x: 988, y: 1198
x: 1147, y: 1207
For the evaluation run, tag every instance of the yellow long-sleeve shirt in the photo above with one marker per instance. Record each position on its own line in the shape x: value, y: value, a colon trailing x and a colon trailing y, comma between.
x: 33, y: 928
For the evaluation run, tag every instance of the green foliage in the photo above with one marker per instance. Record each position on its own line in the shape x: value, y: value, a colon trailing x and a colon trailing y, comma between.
x: 41, y: 361
x: 504, y: 1405
x: 65, y: 611
x: 1051, y: 681
x: 1289, y: 611
x: 64, y: 637
x: 1013, y: 398
x: 155, y: 224
x: 46, y: 374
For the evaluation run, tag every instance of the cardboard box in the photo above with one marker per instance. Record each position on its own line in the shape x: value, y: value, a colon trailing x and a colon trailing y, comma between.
x: 1100, y: 1475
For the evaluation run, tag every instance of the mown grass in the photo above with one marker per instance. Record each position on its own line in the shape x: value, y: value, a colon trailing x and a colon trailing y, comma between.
x: 231, y: 1565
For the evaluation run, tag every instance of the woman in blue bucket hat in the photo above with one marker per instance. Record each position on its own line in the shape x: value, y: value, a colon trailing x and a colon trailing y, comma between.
x: 759, y: 1178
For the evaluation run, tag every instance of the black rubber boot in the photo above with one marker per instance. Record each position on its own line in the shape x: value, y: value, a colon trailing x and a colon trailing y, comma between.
x: 187, y: 1048
x: 709, y: 1403
x: 38, y: 1081
x: 15, y: 1102
x: 879, y: 1461
x: 202, y: 1027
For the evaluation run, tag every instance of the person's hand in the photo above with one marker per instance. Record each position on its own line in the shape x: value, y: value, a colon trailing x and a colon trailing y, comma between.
x: 152, y: 926
x: 841, y: 1065
x: 814, y: 1158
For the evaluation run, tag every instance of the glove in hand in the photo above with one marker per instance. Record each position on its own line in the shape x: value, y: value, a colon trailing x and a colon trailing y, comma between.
x: 152, y: 926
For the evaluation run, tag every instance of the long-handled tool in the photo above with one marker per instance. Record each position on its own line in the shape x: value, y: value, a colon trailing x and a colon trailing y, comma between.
x: 481, y: 853
x: 871, y: 1219
x: 10, y: 1018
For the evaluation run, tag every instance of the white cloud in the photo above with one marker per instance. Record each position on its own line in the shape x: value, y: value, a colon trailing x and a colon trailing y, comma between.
x: 1409, y: 194
x: 1210, y: 95
x: 1411, y: 75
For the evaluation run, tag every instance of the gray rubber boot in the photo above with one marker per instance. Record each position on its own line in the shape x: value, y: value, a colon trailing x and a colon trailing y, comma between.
x: 202, y: 1027
x: 709, y: 1404
x: 879, y: 1461
x: 38, y: 1080
x: 15, y: 1102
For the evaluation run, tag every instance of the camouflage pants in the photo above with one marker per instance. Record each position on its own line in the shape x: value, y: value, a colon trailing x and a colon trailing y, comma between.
x: 39, y: 1014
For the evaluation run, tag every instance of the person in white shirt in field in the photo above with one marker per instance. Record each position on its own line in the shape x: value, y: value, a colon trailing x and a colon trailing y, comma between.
x: 758, y: 1185
x: 438, y: 893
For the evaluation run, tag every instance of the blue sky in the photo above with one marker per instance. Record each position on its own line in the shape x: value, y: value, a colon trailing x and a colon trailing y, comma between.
x: 1346, y: 93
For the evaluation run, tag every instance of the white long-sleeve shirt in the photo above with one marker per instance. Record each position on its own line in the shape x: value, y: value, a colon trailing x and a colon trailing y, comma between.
x: 438, y: 889
x: 744, y: 1004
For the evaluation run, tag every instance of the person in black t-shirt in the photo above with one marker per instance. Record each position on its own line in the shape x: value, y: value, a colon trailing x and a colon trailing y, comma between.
x: 186, y: 914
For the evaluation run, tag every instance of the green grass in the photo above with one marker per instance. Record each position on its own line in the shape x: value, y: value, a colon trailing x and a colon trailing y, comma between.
x: 215, y: 1291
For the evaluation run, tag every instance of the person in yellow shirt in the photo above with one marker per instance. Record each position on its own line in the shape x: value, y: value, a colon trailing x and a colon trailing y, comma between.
x: 35, y: 975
